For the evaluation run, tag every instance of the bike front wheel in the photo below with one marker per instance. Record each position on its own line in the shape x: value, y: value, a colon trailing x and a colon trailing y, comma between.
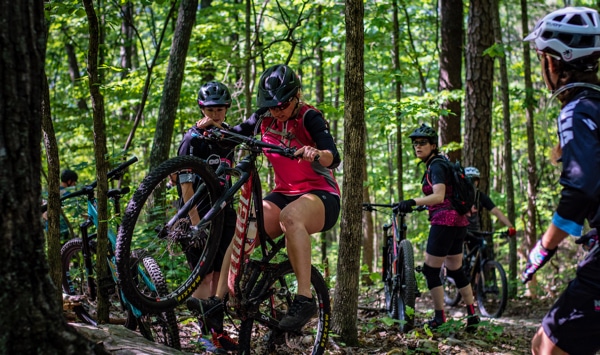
x: 160, y: 327
x: 262, y: 327
x: 157, y: 224
x: 391, y: 306
x: 491, y: 289
x: 406, y: 287
x: 77, y: 282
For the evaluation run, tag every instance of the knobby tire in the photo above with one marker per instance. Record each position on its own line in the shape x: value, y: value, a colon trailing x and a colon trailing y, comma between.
x: 154, y: 203
x: 159, y: 327
x: 274, y: 303
x: 406, y: 288
x: 75, y: 283
x: 388, y: 278
x: 491, y: 289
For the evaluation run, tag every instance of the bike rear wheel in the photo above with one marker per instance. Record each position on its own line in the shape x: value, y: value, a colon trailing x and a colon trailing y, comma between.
x: 451, y: 294
x: 159, y: 327
x: 75, y: 282
x: 151, y: 227
x: 261, y: 329
x: 491, y: 289
x: 406, y: 287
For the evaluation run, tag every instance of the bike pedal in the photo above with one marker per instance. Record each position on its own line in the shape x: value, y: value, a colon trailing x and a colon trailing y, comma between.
x: 419, y: 269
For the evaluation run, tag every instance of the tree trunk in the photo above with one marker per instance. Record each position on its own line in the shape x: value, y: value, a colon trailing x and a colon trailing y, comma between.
x: 172, y: 88
x: 367, y: 233
x: 31, y: 320
x: 346, y: 291
x: 479, y: 89
x: 530, y: 226
x: 507, y: 156
x: 398, y: 94
x: 451, y: 55
x: 53, y: 211
x: 100, y: 154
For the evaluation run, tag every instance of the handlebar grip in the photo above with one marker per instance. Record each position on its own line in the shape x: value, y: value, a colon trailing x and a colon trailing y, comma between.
x: 121, y: 167
x: 116, y: 171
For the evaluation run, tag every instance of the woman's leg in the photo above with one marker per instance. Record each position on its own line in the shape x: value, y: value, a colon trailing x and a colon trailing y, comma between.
x: 298, y: 221
x: 541, y: 344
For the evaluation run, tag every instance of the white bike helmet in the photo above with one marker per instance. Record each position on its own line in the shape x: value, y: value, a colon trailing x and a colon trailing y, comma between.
x: 571, y: 33
x: 472, y: 172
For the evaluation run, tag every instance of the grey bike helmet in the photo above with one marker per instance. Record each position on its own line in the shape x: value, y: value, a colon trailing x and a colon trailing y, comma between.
x: 277, y: 85
x: 425, y: 132
x: 214, y: 93
x: 571, y: 33
x: 472, y: 172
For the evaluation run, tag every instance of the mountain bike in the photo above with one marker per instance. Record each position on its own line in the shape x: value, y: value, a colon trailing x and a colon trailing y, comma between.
x: 157, y: 224
x: 487, y: 276
x: 79, y: 258
x: 398, y: 268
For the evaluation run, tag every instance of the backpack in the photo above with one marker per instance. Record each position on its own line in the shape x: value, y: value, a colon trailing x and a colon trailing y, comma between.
x: 463, y: 190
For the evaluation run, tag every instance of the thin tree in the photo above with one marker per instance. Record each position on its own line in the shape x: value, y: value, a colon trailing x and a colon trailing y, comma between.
x: 398, y: 96
x: 172, y: 87
x: 530, y: 226
x: 100, y: 154
x: 31, y: 320
x: 345, y: 300
x: 507, y: 156
x: 451, y: 54
x: 53, y: 210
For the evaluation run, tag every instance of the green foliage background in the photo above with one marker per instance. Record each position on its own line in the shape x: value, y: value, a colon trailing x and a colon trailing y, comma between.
x: 291, y: 31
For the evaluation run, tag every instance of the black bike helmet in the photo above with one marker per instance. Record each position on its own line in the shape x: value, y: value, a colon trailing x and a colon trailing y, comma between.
x: 214, y: 93
x: 277, y: 85
x: 425, y: 132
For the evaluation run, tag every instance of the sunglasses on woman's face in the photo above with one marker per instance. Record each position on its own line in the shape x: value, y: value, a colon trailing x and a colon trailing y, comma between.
x: 420, y: 143
x: 283, y: 106
x: 541, y: 54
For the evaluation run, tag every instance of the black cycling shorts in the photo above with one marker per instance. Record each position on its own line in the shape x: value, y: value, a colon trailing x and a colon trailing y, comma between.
x: 445, y: 240
x: 330, y: 201
x: 573, y: 322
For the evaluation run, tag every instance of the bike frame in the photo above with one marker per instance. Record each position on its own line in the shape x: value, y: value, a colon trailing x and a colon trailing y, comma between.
x: 478, y: 254
x: 92, y: 219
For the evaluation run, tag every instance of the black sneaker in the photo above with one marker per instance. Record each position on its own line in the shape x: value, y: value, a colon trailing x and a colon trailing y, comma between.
x: 210, y: 313
x: 472, y: 322
x: 301, y: 311
x: 434, y: 323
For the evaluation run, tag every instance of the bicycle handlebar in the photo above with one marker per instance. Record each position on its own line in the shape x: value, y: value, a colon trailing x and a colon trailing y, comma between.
x: 89, y: 189
x: 254, y: 145
x: 369, y: 207
x: 482, y: 234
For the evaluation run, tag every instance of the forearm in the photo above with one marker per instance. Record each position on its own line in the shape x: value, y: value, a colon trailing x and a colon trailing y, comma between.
x: 325, y: 158
x: 496, y: 212
x: 553, y: 236
x: 187, y: 191
x: 437, y: 197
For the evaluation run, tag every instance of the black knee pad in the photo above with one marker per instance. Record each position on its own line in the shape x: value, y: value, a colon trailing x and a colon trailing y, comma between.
x: 459, y: 277
x: 432, y: 276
